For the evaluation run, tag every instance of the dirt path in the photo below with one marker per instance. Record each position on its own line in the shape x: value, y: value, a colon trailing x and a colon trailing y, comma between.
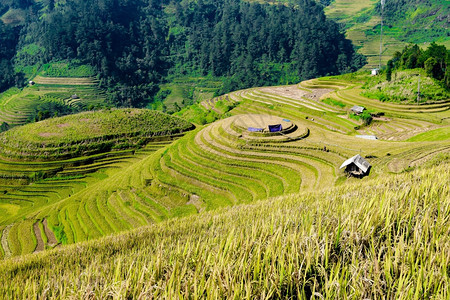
x: 51, y: 239
x: 40, y: 241
x: 64, y: 80
x: 5, y: 245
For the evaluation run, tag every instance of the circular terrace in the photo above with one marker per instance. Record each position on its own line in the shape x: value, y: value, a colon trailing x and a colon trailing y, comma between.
x: 264, y: 128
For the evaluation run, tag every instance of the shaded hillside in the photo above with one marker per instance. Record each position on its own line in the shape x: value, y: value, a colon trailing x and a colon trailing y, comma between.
x: 418, y: 21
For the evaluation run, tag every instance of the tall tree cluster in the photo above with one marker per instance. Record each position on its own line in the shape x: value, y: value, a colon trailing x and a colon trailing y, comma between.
x: 135, y: 44
x: 8, y: 42
x: 435, y: 60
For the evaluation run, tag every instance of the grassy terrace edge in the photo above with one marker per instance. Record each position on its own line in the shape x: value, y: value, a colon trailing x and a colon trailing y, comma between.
x: 383, y: 238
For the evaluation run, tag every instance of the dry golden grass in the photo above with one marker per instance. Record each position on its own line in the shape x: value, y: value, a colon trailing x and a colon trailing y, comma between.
x: 384, y: 238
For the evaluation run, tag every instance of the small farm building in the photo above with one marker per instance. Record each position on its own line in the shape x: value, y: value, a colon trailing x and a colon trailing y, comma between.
x: 356, y: 166
x: 357, y: 109
x: 75, y: 96
x: 31, y: 82
x: 375, y: 72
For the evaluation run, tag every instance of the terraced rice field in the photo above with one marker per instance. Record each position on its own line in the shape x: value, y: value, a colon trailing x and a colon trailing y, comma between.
x: 357, y: 241
x: 50, y: 199
x: 216, y: 165
x: 350, y: 14
x: 18, y: 106
x: 83, y: 201
x: 330, y: 126
x: 399, y: 121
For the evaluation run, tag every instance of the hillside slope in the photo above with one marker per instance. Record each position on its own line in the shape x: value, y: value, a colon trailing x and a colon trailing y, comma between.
x: 384, y: 238
x: 409, y: 21
x: 45, y: 164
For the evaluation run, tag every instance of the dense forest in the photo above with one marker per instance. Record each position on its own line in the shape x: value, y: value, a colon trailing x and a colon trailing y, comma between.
x: 435, y: 60
x: 134, y: 45
x: 8, y: 41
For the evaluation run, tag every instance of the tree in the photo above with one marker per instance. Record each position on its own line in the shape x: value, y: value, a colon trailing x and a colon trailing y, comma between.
x: 390, y: 66
x: 432, y: 67
x: 4, y: 127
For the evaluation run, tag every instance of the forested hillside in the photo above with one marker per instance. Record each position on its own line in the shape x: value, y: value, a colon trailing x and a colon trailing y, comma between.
x: 135, y: 45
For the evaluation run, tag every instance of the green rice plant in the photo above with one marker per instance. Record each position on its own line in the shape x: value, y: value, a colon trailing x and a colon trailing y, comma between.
x: 27, y: 237
x: 13, y: 240
x: 441, y: 134
x: 333, y: 102
x: 90, y: 132
x: 67, y: 70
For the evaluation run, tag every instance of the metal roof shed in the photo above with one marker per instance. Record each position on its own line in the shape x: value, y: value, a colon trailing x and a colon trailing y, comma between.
x: 356, y: 165
x: 357, y: 109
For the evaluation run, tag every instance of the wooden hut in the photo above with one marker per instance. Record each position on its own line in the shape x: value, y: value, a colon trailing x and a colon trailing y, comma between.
x: 357, y: 109
x: 356, y: 166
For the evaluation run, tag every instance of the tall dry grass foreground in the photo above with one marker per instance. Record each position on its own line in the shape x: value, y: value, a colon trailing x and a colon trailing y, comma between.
x: 387, y: 238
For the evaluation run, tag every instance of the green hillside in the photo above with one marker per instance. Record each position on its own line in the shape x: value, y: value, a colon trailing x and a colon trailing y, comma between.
x: 383, y: 238
x: 137, y: 49
x: 49, y: 97
x: 87, y: 133
x: 410, y: 21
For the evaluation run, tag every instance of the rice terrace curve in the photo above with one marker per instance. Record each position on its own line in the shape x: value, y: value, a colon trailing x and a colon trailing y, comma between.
x: 87, y: 186
x: 150, y: 167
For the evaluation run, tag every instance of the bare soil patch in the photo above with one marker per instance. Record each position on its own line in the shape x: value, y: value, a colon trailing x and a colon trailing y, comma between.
x: 398, y: 164
x: 50, y: 235
x: 195, y: 200
x: 260, y: 121
x: 63, y: 125
x: 382, y: 119
x: 4, y: 241
x: 316, y: 94
x: 290, y: 91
